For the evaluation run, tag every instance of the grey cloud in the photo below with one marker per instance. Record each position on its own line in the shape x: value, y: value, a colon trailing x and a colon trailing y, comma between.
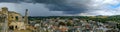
x: 67, y: 6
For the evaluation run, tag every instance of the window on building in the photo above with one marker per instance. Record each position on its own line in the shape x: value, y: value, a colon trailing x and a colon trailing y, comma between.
x: 12, y: 17
x: 16, y: 17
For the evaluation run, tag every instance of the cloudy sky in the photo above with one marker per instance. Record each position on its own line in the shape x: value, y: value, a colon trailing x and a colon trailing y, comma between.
x: 63, y: 7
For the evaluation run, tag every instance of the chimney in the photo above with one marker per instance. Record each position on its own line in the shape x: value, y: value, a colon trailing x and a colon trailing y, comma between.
x: 26, y: 16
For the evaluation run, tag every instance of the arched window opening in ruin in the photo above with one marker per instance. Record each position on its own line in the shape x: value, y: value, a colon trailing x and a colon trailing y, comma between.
x: 16, y: 18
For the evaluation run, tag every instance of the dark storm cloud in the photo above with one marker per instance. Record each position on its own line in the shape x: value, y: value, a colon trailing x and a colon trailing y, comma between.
x: 63, y: 5
x: 58, y: 5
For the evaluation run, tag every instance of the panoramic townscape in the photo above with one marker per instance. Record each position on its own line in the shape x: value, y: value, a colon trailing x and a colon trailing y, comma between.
x: 14, y: 22
x: 57, y: 24
x: 59, y: 15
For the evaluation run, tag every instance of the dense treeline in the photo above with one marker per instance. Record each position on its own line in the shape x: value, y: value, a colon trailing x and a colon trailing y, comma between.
x: 96, y: 18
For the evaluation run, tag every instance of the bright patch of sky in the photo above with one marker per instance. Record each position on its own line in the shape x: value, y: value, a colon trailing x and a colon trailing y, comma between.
x: 114, y: 6
x: 106, y: 7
